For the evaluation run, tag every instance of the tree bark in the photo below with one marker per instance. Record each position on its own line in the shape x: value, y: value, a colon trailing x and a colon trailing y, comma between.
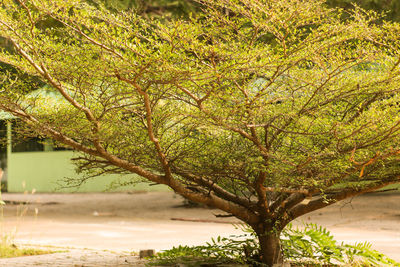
x: 270, y: 246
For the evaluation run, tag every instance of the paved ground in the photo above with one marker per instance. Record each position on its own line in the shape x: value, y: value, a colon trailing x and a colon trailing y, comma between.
x: 75, y: 258
x: 125, y: 223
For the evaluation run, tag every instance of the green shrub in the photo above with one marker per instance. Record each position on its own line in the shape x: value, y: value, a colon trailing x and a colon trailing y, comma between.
x: 315, y: 244
x: 311, y: 245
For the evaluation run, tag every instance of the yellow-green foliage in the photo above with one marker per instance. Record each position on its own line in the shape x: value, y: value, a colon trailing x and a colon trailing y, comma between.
x: 288, y: 88
x: 249, y: 106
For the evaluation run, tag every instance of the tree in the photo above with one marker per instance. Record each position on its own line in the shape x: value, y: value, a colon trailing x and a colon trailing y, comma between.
x: 266, y: 110
x: 390, y: 7
x: 151, y: 7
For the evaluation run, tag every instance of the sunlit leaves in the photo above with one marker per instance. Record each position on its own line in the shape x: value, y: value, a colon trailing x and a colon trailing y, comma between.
x: 290, y: 89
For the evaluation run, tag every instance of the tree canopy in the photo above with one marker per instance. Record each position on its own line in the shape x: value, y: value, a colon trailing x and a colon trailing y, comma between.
x: 266, y: 110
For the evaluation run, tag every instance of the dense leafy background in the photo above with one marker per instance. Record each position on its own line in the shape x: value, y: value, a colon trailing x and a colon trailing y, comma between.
x: 183, y: 7
x: 390, y: 7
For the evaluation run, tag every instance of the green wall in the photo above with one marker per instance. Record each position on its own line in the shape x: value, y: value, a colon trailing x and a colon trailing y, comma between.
x: 45, y: 170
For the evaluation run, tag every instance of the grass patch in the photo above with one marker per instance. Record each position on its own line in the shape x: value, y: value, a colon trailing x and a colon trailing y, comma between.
x: 11, y: 250
x: 8, y: 249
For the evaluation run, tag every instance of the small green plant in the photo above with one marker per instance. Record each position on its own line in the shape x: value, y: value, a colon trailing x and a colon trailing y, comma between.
x: 8, y: 249
x: 238, y: 249
x: 311, y: 245
x: 315, y: 245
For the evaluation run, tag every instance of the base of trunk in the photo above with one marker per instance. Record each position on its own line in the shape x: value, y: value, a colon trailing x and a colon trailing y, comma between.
x: 270, y: 248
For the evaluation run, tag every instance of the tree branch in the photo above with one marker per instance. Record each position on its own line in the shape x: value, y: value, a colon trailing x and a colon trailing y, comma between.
x: 322, y: 202
x: 219, y: 191
x: 146, y: 100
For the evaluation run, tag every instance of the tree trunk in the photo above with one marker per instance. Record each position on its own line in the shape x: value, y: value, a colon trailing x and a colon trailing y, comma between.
x: 270, y: 247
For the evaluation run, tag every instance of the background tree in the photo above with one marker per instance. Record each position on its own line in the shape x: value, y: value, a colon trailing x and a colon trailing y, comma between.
x: 266, y: 110
x: 391, y: 8
x: 176, y: 8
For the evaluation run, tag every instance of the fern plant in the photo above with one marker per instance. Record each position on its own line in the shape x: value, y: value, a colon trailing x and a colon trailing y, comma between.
x: 315, y: 244
x: 363, y: 254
